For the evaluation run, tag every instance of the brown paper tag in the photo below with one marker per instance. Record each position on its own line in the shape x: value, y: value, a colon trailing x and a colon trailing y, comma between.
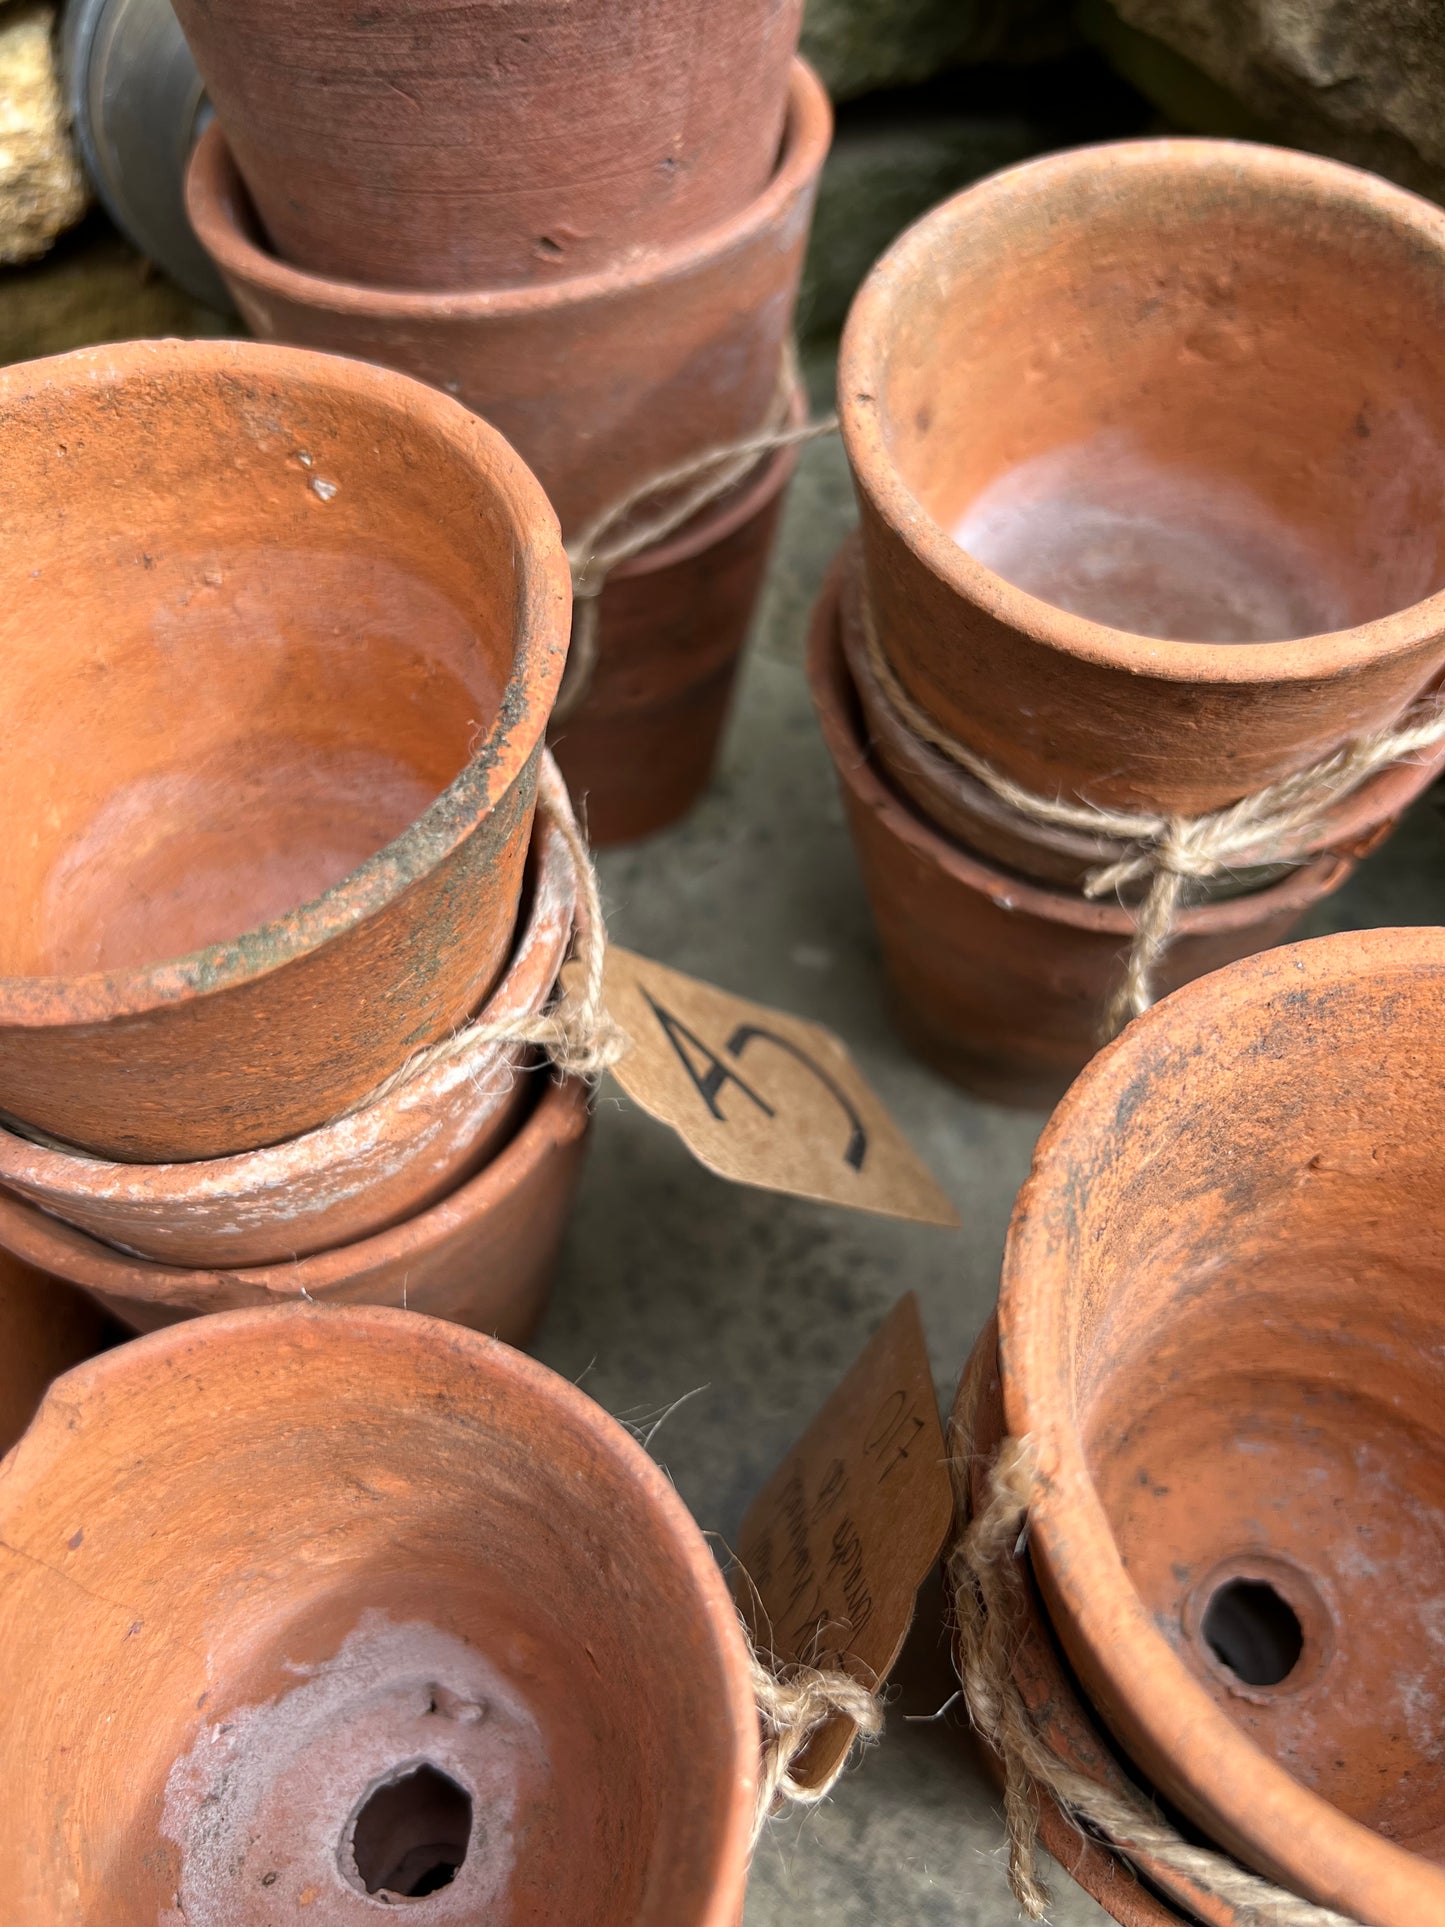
x: 836, y: 1545
x: 761, y: 1097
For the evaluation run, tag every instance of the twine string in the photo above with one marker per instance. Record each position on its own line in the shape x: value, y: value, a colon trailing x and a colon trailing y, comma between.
x: 794, y: 1704
x: 987, y: 1589
x: 576, y: 1032
x: 619, y: 532
x: 1171, y: 852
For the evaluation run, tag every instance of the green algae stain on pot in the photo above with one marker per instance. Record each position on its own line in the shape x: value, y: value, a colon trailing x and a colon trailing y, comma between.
x: 349, y: 769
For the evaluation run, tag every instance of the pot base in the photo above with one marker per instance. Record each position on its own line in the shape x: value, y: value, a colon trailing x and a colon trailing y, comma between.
x: 395, y: 1770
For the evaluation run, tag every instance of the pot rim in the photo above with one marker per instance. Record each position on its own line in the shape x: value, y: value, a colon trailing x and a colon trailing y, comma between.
x: 500, y: 758
x: 29, y: 1232
x: 78, y: 1175
x: 516, y: 1376
x: 836, y: 701
x: 1372, y: 806
x: 862, y: 354
x: 1336, y: 1860
x: 215, y: 189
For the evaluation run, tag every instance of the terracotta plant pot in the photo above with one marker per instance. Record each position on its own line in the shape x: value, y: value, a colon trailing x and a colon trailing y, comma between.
x: 45, y: 1328
x: 643, y: 743
x: 309, y: 1614
x: 338, y: 1184
x: 483, y: 1256
x: 600, y: 381
x: 436, y: 146
x: 1221, y: 1326
x: 968, y: 812
x: 280, y: 636
x: 1140, y: 379
x: 998, y: 983
x: 1051, y: 1694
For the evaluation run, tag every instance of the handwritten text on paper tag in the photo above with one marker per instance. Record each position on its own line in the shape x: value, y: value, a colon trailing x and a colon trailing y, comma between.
x: 835, y: 1547
x: 762, y: 1097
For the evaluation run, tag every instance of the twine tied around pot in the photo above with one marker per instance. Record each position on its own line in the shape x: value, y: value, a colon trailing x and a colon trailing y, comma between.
x: 1172, y: 852
x: 986, y: 1586
x: 576, y: 1032
x: 621, y: 531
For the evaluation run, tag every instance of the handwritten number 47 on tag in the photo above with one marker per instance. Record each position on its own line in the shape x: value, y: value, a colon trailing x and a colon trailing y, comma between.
x: 762, y: 1097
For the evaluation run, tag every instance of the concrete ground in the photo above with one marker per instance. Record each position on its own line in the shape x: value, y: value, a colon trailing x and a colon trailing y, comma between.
x: 675, y: 1283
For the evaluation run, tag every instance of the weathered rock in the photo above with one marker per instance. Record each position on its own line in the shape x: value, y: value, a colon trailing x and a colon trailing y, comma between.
x: 42, y: 188
x: 859, y: 46
x: 882, y: 176
x: 1363, y: 80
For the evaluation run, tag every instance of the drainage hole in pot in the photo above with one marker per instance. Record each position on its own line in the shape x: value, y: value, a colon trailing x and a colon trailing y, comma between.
x: 1254, y: 1631
x: 411, y: 1835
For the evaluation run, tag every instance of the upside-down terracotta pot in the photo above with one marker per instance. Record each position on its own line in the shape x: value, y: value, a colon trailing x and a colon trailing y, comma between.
x: 483, y: 1255
x: 310, y: 1615
x: 642, y: 743
x: 601, y: 381
x: 1153, y: 503
x: 333, y: 1186
x: 427, y: 145
x: 1135, y: 1897
x: 279, y: 635
x: 45, y: 1328
x: 1222, y: 1327
x: 969, y: 812
x: 999, y: 983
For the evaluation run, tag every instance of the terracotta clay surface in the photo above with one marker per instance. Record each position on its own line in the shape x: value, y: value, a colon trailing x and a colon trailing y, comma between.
x: 338, y: 1184
x: 643, y: 743
x: 305, y: 1610
x: 600, y: 381
x: 1164, y: 340
x: 968, y: 812
x: 45, y: 1328
x: 998, y: 983
x: 483, y: 1255
x: 1051, y: 1694
x: 279, y: 635
x: 419, y: 144
x: 1221, y: 1327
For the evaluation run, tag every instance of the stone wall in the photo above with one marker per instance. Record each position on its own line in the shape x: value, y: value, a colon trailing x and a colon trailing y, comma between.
x: 1363, y: 80
x: 42, y: 188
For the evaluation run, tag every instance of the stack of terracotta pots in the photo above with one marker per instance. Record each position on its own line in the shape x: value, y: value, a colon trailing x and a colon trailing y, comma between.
x: 310, y: 1608
x: 1153, y: 516
x: 276, y: 711
x: 1221, y: 1332
x: 586, y: 223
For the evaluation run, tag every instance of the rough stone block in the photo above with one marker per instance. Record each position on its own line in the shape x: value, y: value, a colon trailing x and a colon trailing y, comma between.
x: 42, y: 188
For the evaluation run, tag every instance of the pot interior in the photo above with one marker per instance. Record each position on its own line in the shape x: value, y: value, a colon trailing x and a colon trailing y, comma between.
x: 252, y: 623
x: 1248, y: 1336
x: 350, y: 1623
x: 1190, y: 390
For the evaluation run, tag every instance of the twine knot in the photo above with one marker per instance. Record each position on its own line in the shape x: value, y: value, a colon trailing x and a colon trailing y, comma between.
x: 1275, y: 825
x: 794, y: 1704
